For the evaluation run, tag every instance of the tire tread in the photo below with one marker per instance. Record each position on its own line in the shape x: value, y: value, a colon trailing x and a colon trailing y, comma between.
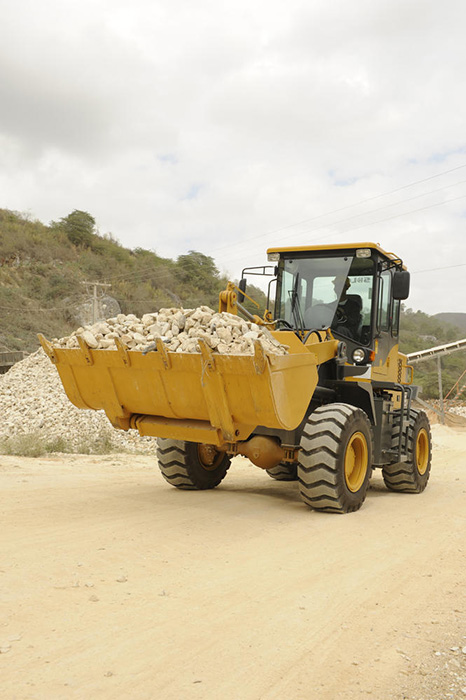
x: 319, y: 474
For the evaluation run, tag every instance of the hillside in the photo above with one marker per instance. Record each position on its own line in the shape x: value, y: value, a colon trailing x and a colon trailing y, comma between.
x: 456, y: 319
x: 53, y: 278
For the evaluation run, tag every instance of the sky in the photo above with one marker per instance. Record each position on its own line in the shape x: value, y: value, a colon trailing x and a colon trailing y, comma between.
x: 230, y: 126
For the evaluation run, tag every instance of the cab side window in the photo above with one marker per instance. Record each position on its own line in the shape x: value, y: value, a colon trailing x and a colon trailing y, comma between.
x: 384, y: 307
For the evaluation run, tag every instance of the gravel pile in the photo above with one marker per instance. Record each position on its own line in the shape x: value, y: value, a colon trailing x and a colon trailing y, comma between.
x: 33, y: 403
x: 180, y: 329
x: 459, y: 409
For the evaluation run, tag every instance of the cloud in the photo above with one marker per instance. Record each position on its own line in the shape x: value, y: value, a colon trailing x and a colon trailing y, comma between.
x: 210, y: 126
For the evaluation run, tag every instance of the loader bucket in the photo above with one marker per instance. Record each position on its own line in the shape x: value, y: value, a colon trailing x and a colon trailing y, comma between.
x: 200, y: 397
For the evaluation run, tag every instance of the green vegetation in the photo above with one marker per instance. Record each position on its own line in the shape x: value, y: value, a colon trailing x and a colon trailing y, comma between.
x: 44, y: 271
x: 420, y: 331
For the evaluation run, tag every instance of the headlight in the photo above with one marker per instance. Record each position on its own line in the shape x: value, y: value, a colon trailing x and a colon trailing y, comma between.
x: 363, y: 253
x: 359, y: 356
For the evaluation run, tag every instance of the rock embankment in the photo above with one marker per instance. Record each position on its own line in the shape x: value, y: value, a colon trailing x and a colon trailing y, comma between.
x: 180, y: 329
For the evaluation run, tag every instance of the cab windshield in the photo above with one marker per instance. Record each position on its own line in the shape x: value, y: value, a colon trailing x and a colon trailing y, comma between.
x: 327, y: 292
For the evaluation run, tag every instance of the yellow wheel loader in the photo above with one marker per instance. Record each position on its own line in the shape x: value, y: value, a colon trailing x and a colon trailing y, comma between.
x: 335, y: 407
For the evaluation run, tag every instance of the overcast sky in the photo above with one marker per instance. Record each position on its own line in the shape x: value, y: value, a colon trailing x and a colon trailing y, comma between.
x: 229, y: 126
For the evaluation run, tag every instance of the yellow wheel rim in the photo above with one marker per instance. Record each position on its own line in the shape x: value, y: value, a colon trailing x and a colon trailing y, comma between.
x: 356, y: 462
x: 422, y: 451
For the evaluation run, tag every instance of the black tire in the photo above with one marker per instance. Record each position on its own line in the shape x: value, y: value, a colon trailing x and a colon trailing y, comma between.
x: 335, y: 458
x: 411, y: 476
x: 191, y: 465
x: 285, y: 471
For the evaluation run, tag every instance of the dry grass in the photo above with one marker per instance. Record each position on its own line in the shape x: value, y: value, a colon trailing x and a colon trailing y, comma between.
x: 36, y: 445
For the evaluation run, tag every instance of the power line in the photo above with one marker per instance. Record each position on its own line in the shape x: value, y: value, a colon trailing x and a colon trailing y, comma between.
x: 397, y: 216
x: 351, y: 206
x: 139, y: 275
x: 434, y: 269
x: 153, y: 268
x: 374, y: 223
x: 386, y: 206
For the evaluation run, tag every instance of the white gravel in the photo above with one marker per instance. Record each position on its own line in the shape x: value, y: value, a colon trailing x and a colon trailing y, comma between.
x: 459, y: 410
x: 33, y: 402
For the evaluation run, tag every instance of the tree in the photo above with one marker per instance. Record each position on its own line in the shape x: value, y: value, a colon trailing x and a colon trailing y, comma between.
x: 198, y: 270
x: 79, y: 226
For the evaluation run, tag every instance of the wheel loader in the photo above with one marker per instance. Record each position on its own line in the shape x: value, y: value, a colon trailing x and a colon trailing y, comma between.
x: 336, y: 406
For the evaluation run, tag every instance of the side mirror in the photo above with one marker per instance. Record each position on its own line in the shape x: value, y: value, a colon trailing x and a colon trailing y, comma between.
x: 401, y: 285
x: 242, y: 286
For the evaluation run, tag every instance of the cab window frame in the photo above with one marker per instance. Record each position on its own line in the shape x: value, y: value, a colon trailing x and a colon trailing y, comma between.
x: 384, y: 306
x: 325, y: 254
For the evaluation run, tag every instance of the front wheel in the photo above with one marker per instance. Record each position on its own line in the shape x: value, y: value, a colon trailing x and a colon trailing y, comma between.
x: 191, y: 465
x: 335, y: 458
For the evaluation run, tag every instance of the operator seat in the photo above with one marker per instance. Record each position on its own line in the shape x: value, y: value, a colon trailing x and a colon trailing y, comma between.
x: 351, y: 323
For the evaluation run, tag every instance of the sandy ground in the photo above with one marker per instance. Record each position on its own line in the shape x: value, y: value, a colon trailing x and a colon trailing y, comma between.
x: 116, y: 585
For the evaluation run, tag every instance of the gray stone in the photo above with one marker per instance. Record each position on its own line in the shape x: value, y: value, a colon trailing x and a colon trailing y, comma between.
x: 223, y: 332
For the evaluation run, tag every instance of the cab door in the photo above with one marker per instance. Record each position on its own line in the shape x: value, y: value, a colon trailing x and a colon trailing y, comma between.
x: 385, y: 365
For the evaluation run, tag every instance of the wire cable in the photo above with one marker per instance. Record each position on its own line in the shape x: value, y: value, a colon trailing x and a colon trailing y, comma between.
x: 351, y: 206
x: 374, y: 223
x: 386, y: 206
x: 434, y: 269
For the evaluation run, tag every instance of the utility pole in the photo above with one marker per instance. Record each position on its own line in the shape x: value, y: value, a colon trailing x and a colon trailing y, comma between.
x: 95, y: 306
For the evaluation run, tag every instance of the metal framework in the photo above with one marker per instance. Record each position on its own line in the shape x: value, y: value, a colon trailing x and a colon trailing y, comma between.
x: 437, y: 353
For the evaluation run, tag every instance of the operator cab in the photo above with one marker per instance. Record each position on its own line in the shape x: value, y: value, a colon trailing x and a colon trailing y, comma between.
x: 355, y: 291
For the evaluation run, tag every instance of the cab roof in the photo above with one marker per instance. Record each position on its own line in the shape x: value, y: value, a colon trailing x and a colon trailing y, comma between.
x: 335, y: 246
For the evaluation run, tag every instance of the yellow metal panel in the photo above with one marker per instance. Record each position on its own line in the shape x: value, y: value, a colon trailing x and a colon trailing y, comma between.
x: 323, y: 350
x: 385, y: 369
x: 335, y: 246
x: 192, y: 431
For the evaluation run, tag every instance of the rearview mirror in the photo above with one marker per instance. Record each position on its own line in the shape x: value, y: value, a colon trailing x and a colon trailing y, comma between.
x: 401, y: 284
x: 242, y: 286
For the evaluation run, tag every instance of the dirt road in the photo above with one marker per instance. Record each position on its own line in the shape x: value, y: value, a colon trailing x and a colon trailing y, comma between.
x: 116, y: 585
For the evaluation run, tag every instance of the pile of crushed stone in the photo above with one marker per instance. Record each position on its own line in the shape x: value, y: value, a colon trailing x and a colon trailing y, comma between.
x: 33, y: 403
x: 458, y: 409
x: 180, y: 329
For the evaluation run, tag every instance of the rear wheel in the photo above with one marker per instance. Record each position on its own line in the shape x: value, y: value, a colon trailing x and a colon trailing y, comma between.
x: 191, y: 465
x: 285, y: 471
x: 410, y: 476
x: 335, y: 458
